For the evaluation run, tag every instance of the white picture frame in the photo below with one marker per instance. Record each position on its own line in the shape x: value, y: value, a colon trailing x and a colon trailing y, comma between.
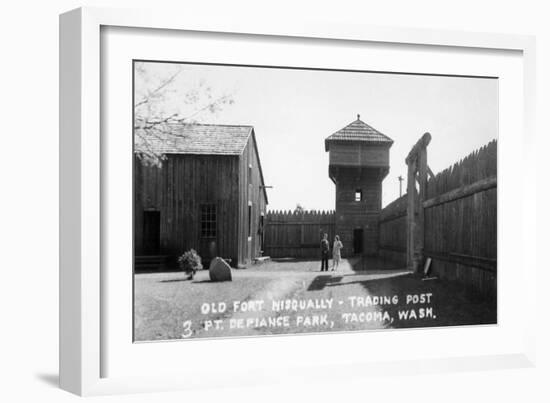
x: 82, y: 306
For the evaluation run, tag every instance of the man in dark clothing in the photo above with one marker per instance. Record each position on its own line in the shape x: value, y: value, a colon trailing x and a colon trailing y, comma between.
x: 325, y: 251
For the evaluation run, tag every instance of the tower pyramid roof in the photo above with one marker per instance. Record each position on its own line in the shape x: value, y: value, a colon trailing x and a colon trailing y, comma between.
x: 358, y: 131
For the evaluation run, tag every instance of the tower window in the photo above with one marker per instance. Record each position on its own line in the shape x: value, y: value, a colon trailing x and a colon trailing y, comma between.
x: 358, y: 195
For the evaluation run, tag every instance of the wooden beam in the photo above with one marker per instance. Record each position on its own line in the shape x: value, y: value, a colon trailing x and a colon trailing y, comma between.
x: 411, y: 207
x: 417, y: 163
x: 459, y: 193
x: 480, y: 258
x: 485, y: 264
x: 422, y: 194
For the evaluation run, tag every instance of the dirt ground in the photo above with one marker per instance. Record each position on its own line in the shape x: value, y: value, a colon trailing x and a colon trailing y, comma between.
x: 288, y: 296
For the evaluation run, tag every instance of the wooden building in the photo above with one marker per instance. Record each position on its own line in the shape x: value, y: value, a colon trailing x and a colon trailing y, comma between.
x: 358, y: 162
x: 207, y: 194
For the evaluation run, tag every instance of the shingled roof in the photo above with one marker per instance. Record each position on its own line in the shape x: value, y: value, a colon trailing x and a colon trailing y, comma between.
x: 358, y: 131
x: 198, y: 139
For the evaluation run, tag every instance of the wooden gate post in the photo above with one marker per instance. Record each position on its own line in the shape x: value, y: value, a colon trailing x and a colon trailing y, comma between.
x: 411, y: 207
x: 417, y: 164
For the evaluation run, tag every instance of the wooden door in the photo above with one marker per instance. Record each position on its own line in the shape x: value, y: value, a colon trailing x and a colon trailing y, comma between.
x: 208, y: 232
x: 151, y: 232
x: 358, y: 240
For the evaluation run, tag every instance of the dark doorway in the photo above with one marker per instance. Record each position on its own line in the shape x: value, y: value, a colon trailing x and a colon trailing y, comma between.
x: 358, y: 240
x: 151, y: 232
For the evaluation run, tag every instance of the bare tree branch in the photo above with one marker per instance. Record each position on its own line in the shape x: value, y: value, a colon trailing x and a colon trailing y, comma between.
x: 152, y: 124
x: 162, y: 85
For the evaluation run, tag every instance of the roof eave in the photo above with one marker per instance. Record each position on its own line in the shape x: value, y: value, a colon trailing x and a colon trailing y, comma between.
x: 387, y: 143
x: 253, y: 136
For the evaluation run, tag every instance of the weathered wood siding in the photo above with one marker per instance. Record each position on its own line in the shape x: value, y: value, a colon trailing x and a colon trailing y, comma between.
x: 393, y: 231
x: 461, y: 221
x: 297, y: 235
x: 346, y: 154
x: 250, y: 193
x: 358, y: 166
x: 177, y: 190
x: 351, y: 214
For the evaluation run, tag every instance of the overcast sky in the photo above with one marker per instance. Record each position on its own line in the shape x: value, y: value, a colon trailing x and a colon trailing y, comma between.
x: 293, y: 111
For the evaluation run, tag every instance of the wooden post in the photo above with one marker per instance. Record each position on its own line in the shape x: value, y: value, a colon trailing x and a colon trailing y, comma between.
x: 411, y: 204
x: 417, y: 163
x: 422, y: 195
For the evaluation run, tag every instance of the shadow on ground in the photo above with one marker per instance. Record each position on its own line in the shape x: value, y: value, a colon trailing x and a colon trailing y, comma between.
x: 451, y: 304
x: 322, y: 281
x: 174, y: 280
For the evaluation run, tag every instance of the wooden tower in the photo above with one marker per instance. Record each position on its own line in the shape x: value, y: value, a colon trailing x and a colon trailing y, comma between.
x: 358, y: 162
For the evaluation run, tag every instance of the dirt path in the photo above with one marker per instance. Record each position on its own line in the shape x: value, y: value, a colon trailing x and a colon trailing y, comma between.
x: 328, y: 292
x: 294, y: 297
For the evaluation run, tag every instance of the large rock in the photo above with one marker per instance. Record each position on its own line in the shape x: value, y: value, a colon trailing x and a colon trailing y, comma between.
x: 219, y: 270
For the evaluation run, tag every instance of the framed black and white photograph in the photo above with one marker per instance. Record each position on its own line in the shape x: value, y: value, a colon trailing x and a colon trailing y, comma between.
x: 264, y: 205
x: 247, y: 201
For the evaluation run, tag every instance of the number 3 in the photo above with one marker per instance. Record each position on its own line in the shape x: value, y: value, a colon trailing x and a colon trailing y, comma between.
x: 187, y: 332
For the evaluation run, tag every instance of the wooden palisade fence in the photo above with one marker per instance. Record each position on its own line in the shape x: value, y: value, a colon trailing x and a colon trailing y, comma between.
x: 297, y: 235
x: 393, y: 231
x: 456, y: 219
x: 450, y: 218
x: 461, y: 221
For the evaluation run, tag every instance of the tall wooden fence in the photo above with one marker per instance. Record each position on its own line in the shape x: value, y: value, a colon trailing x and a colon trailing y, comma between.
x: 296, y: 235
x: 460, y: 222
x: 393, y: 231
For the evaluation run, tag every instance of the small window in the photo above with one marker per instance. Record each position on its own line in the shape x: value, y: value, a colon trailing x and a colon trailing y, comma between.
x: 208, y: 220
x: 249, y: 174
x: 358, y: 195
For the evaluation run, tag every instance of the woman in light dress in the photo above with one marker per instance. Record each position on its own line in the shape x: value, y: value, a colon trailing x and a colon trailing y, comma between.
x: 336, y: 257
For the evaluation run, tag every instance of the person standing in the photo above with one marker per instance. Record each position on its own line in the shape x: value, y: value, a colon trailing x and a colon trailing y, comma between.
x: 325, y: 251
x: 336, y: 256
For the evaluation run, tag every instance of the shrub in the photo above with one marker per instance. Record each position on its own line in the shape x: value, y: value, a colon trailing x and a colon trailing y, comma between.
x: 190, y: 262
